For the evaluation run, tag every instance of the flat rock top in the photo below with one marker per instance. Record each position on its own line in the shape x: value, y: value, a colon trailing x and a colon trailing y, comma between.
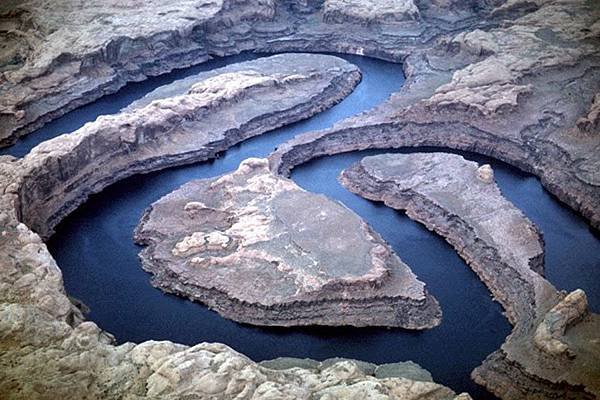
x: 371, y: 10
x: 463, y: 188
x: 286, y: 67
x: 261, y: 239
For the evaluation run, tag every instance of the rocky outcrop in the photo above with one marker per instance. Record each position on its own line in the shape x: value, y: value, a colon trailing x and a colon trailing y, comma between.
x: 570, y: 310
x: 590, y: 124
x: 369, y: 11
x: 216, y: 112
x: 518, y: 88
x: 405, y: 369
x: 506, y: 92
x: 47, y: 352
x: 58, y: 55
x: 554, y: 349
x: 461, y: 202
x: 258, y: 249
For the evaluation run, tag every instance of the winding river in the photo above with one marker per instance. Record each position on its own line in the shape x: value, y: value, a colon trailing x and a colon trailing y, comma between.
x: 95, y: 251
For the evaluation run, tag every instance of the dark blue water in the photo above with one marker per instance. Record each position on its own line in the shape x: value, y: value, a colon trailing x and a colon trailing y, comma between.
x: 112, y: 103
x: 94, y: 248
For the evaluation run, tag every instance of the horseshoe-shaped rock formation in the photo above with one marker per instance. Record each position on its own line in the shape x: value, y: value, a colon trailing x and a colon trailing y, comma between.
x: 221, y: 108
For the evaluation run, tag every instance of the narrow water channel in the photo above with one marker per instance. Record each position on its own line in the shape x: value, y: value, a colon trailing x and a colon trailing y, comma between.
x: 94, y: 248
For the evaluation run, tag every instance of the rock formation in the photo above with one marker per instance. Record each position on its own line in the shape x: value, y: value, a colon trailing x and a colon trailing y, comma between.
x: 449, y: 195
x: 258, y: 249
x: 48, y: 352
x: 554, y: 349
x: 57, y: 55
x: 514, y: 92
x: 510, y: 79
x: 219, y: 110
x: 369, y: 11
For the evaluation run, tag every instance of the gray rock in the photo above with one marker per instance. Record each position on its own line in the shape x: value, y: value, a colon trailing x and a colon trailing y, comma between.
x: 446, y: 193
x: 408, y: 370
x: 282, y: 363
x: 60, y: 54
x: 516, y: 84
x: 216, y: 111
x: 554, y: 338
x: 366, y: 367
x: 258, y: 249
x: 369, y: 11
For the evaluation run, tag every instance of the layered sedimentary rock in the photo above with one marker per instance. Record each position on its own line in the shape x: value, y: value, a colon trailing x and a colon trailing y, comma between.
x: 516, y: 83
x: 521, y: 92
x: 554, y: 349
x: 219, y: 110
x: 88, y: 49
x: 258, y: 249
x: 48, y: 352
x: 369, y: 11
x: 462, y: 203
x: 58, y: 55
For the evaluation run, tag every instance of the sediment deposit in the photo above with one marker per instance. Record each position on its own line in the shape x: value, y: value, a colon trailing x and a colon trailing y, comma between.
x: 258, y: 249
x: 554, y: 349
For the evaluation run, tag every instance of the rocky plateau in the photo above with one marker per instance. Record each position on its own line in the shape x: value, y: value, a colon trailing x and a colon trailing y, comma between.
x: 258, y: 249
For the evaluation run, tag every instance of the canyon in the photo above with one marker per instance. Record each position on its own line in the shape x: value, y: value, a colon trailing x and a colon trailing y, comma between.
x: 515, y: 80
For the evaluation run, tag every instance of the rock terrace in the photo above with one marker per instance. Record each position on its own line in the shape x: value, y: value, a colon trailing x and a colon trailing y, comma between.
x: 555, y: 339
x: 258, y: 249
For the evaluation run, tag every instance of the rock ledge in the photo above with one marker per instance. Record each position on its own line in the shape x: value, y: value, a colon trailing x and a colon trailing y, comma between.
x: 258, y: 249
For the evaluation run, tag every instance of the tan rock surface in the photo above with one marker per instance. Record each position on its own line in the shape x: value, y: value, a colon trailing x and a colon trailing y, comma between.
x: 258, y: 249
x: 554, y: 349
x: 530, y: 104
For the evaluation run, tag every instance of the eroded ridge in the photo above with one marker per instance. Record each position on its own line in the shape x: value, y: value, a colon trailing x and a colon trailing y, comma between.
x: 554, y: 349
x: 221, y: 108
x: 508, y: 92
x: 258, y: 249
x: 58, y: 55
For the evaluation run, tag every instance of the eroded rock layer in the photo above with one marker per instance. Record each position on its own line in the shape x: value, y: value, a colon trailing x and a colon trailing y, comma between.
x: 522, y: 91
x: 554, y: 349
x: 369, y: 11
x: 220, y: 109
x: 462, y: 203
x: 517, y: 80
x: 58, y: 55
x: 258, y: 249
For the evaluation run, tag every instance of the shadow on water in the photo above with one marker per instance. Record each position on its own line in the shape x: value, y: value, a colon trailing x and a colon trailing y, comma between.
x: 95, y: 251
